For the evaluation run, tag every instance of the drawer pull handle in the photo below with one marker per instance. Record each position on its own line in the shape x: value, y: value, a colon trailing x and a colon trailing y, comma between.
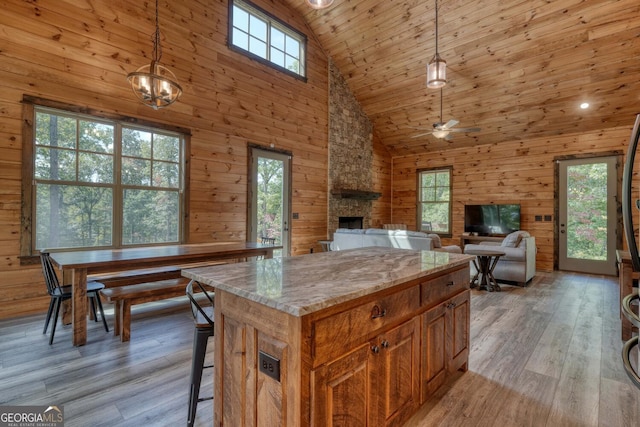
x: 376, y: 312
x: 385, y: 344
x: 450, y: 283
x: 375, y: 349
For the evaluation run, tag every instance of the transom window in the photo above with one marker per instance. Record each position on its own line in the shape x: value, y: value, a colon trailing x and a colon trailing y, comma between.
x: 434, y: 201
x: 102, y: 183
x: 261, y: 36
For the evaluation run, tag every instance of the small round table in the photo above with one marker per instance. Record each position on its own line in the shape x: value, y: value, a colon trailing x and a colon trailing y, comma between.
x: 486, y: 262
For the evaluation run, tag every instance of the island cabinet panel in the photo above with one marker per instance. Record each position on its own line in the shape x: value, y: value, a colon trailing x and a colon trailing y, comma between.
x: 395, y: 381
x: 438, y: 289
x: 334, y: 335
x: 377, y: 384
x: 445, y: 341
x: 341, y: 394
x: 248, y: 395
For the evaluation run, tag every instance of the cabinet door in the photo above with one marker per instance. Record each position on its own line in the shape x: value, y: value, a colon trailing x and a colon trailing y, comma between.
x: 395, y: 383
x: 341, y: 390
x: 459, y: 309
x: 434, y: 349
x: 445, y: 342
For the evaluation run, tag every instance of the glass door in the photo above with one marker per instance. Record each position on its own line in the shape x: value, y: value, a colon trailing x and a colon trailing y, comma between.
x: 270, y: 197
x: 587, y: 222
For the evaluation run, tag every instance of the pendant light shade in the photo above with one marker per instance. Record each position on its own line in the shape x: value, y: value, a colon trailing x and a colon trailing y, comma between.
x: 319, y: 4
x: 436, y: 72
x: 437, y: 67
x: 154, y: 84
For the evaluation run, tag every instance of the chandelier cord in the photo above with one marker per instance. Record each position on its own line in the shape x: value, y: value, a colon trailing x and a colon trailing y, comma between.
x: 157, y: 48
x: 440, y: 106
x: 436, y: 1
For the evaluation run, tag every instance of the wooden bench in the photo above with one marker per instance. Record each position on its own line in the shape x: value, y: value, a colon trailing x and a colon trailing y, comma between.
x: 123, y: 297
x: 132, y: 277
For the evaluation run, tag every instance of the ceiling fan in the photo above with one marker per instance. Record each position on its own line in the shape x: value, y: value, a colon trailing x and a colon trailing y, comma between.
x: 443, y: 130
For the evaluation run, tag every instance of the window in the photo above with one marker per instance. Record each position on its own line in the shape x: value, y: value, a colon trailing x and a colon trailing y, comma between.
x: 434, y: 200
x: 101, y: 183
x: 261, y: 36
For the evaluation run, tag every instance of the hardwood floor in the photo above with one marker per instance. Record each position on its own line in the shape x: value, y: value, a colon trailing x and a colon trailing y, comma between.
x: 545, y: 355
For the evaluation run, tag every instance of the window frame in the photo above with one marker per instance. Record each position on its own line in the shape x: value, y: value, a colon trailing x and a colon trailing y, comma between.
x: 30, y: 105
x: 420, y: 202
x: 272, y: 21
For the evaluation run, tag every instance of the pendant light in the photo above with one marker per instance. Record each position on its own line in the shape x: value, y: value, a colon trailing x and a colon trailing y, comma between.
x: 319, y: 4
x: 437, y: 67
x: 154, y: 84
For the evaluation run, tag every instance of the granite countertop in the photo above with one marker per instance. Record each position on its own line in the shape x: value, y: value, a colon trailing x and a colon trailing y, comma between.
x: 304, y: 284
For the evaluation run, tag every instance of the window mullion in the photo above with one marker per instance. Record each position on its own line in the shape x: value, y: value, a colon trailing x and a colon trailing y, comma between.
x: 117, y: 188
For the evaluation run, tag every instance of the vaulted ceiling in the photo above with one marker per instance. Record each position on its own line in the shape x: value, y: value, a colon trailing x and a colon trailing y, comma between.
x: 518, y: 69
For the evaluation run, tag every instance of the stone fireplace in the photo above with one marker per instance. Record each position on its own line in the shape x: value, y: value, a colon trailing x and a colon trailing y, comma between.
x: 350, y: 157
x: 353, y: 222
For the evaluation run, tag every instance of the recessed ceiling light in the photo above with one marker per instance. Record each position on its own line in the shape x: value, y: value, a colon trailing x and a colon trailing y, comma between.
x: 584, y: 105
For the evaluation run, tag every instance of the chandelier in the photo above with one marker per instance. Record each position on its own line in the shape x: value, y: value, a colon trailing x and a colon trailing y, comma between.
x: 154, y: 84
x: 319, y: 4
x: 437, y: 67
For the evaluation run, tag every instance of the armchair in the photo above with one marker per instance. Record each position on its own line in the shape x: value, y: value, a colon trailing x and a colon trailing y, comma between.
x: 519, y: 262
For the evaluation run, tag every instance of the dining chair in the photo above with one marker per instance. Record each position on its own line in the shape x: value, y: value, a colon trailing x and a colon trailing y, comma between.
x: 203, y: 322
x: 268, y: 240
x: 60, y: 293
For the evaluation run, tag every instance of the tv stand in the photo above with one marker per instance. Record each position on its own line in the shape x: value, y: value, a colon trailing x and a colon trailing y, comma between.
x: 465, y: 240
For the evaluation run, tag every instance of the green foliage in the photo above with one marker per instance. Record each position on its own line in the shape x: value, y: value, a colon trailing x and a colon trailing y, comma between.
x: 78, y: 194
x: 270, y: 198
x: 435, y: 201
x: 587, y: 211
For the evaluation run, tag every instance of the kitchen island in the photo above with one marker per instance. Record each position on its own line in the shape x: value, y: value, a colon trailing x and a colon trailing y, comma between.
x: 357, y: 337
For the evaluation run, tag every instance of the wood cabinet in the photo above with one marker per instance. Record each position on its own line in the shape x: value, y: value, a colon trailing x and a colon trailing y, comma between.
x: 367, y: 361
x: 374, y: 385
x: 445, y: 341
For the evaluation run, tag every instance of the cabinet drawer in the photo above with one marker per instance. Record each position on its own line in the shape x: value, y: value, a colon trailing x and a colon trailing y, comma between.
x: 335, y: 335
x: 441, y: 288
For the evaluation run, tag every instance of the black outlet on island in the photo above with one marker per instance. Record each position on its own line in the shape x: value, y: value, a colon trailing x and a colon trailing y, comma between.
x: 269, y: 365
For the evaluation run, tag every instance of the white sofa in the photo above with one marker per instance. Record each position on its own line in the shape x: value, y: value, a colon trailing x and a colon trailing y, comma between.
x: 345, y: 238
x: 519, y: 262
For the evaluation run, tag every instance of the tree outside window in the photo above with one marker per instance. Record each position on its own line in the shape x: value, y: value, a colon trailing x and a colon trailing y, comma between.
x: 434, y: 201
x: 104, y: 184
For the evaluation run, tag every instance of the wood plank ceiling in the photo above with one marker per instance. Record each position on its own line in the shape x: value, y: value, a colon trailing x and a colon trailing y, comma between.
x: 518, y: 69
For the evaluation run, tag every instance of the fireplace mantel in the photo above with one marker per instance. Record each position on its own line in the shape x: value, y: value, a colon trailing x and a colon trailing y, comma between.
x: 356, y: 194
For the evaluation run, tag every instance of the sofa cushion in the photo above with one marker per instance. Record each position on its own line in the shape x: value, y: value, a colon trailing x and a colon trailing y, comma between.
x: 437, y: 243
x: 380, y: 231
x: 513, y: 240
x: 350, y: 230
x: 410, y: 233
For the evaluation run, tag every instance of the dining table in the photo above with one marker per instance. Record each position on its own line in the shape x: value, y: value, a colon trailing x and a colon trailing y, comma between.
x: 77, y: 265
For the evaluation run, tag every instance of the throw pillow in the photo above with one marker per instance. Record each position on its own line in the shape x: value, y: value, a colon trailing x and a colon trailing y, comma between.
x: 436, y: 240
x: 513, y: 240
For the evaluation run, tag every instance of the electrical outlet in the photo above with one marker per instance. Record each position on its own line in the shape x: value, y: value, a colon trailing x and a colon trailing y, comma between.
x: 295, y: 215
x: 269, y: 365
x: 547, y: 217
x: 538, y: 217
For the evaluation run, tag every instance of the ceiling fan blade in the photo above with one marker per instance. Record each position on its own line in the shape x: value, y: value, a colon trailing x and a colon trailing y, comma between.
x: 465, y: 130
x: 451, y: 123
x: 449, y: 137
x: 421, y: 134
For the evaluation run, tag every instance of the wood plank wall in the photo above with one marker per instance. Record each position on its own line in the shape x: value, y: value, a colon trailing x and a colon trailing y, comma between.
x: 516, y: 172
x: 80, y: 52
x: 381, y: 179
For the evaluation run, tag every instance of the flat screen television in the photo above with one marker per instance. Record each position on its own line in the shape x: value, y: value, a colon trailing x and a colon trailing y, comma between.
x: 488, y: 220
